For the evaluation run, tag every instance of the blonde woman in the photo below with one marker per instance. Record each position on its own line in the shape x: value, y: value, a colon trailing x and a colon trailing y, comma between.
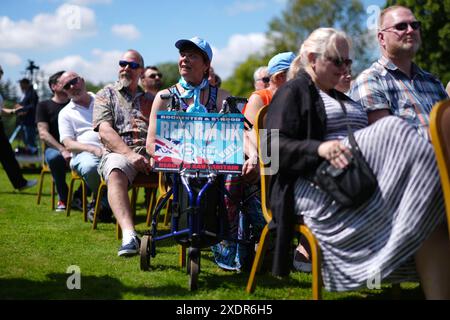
x: 399, y: 234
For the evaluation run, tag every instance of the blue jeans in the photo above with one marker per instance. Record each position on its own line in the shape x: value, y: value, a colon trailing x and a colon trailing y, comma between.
x: 85, y: 164
x: 29, y: 137
x: 58, y: 168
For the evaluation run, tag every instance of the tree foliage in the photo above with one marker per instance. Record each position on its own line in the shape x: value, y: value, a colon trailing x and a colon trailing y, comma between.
x: 170, y: 73
x: 296, y: 22
x: 240, y: 84
x: 433, y: 56
x: 94, y: 88
x: 301, y: 17
x: 8, y: 91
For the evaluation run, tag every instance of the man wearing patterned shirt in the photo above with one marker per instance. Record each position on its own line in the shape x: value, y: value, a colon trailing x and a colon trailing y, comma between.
x: 394, y: 85
x: 119, y: 117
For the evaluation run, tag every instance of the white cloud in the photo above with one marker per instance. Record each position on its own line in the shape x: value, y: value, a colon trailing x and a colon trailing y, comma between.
x: 239, y: 47
x: 126, y: 31
x: 90, y: 2
x: 239, y: 7
x: 10, y: 59
x: 48, y: 31
x: 101, y: 67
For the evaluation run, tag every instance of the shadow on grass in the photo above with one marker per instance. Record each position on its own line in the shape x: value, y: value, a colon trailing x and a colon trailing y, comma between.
x: 110, y: 288
x: 16, y: 192
x: 92, y: 287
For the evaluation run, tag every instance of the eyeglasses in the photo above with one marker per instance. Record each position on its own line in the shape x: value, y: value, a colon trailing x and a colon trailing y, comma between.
x: 339, y: 62
x: 72, y: 82
x: 402, y: 26
x: 264, y: 79
x: 154, y: 75
x: 133, y: 65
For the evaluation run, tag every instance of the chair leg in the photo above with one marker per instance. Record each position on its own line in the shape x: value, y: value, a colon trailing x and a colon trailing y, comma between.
x: 182, y: 256
x: 101, y: 190
x: 257, y: 262
x: 52, y: 194
x: 134, y: 195
x: 84, y: 200
x: 41, y: 183
x: 69, y: 197
x: 151, y: 206
x: 118, y: 231
x: 315, y: 257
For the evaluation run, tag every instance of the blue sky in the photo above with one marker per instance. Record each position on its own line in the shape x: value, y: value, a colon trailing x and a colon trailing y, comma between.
x: 89, y: 36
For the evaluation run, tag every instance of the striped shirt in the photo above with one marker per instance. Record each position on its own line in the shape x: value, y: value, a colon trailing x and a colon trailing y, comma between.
x: 384, y: 86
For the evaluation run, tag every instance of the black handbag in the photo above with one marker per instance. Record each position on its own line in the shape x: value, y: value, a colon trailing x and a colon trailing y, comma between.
x: 353, y: 185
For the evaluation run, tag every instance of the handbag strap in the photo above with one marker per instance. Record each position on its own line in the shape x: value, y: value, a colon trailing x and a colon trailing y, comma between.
x: 351, y: 137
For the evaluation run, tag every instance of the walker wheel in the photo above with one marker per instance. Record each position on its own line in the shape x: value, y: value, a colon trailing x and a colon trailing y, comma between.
x: 193, y: 267
x: 145, y: 252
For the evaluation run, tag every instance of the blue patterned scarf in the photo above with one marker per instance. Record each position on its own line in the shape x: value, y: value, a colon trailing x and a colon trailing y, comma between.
x: 192, y: 91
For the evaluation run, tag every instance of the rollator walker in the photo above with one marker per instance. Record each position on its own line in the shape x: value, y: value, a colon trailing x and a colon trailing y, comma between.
x: 199, y: 217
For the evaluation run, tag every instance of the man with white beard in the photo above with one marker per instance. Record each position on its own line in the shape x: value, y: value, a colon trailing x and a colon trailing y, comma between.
x: 119, y: 117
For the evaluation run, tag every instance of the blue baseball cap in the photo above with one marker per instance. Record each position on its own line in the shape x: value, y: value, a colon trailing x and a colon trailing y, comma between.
x: 280, y: 62
x: 199, y: 43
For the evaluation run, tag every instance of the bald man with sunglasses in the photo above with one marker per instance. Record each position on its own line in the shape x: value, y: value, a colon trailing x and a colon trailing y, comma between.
x: 121, y: 114
x: 395, y: 85
x: 78, y: 137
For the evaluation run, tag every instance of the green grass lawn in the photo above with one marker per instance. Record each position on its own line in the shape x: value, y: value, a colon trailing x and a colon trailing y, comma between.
x: 37, y: 246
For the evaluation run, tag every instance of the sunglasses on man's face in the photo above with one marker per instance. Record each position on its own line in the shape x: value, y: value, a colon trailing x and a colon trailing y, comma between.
x: 72, y: 82
x: 154, y: 75
x: 133, y: 65
x: 402, y: 26
x: 339, y: 62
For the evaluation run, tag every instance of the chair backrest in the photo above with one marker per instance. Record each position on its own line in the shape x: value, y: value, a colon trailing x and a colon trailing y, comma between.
x: 440, y: 138
x: 265, y: 179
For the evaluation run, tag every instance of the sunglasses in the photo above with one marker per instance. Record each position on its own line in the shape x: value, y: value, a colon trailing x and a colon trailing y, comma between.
x: 264, y: 79
x: 131, y: 64
x: 154, y: 75
x: 72, y: 82
x: 402, y: 26
x: 339, y: 62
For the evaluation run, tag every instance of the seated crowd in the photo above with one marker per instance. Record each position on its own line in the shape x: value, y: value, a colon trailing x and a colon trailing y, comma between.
x: 399, y: 233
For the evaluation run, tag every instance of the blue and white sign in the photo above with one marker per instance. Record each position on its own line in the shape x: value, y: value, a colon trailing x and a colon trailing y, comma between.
x: 199, y: 141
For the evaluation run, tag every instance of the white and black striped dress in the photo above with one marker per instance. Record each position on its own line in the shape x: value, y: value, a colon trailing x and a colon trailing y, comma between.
x: 379, y: 239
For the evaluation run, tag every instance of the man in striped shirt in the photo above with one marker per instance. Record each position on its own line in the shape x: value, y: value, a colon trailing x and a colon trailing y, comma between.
x: 394, y: 85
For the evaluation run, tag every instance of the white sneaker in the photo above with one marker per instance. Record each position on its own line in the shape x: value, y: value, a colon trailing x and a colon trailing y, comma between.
x: 60, y: 207
x: 29, y: 184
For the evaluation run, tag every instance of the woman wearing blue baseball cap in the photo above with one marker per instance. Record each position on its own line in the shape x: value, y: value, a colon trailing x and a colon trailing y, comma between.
x: 197, y: 95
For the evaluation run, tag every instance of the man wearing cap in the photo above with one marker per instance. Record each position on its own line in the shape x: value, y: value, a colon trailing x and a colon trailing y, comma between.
x: 119, y: 117
x: 277, y: 70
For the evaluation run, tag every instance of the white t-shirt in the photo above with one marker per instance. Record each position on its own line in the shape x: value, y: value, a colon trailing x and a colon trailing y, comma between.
x: 75, y: 122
